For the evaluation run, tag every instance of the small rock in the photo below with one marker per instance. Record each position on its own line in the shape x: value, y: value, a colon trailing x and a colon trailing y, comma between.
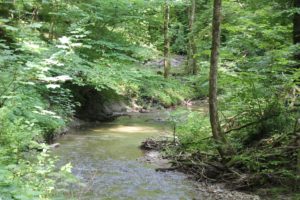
x: 144, y: 111
x: 55, y: 145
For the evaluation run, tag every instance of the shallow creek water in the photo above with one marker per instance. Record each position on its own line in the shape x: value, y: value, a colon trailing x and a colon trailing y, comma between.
x: 105, y: 158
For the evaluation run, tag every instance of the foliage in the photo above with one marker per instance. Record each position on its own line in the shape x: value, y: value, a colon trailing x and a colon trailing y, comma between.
x: 258, y: 98
x: 45, y: 46
x: 193, y: 132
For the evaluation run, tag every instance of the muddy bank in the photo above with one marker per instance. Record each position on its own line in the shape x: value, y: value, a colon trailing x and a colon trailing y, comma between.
x: 106, y: 105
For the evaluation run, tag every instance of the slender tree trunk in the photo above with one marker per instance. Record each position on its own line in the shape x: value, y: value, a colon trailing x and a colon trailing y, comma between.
x: 166, y: 39
x: 192, y: 44
x: 218, y: 135
x: 296, y: 23
x: 298, y: 144
x: 296, y: 32
x: 188, y: 48
x: 296, y: 37
x: 51, y: 31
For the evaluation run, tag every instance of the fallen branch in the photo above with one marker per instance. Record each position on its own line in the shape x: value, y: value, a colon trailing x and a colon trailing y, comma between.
x: 251, y: 123
x: 242, y: 127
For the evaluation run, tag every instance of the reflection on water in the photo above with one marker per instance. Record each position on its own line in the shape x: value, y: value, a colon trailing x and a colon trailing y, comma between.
x: 105, y: 159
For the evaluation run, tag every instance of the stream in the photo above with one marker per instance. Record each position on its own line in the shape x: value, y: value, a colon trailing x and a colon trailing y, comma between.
x: 106, y: 160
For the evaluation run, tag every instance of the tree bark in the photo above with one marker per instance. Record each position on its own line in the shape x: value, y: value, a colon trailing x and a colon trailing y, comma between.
x: 296, y: 37
x: 166, y: 39
x: 188, y: 48
x: 192, y: 45
x: 218, y: 135
x: 296, y: 33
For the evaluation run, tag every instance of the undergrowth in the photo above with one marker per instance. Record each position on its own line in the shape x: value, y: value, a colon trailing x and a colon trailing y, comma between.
x: 262, y: 129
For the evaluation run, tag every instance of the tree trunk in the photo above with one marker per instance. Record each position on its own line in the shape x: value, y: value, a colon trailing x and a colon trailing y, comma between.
x: 296, y: 32
x: 296, y: 37
x: 296, y: 23
x: 188, y: 48
x: 218, y: 135
x: 192, y: 45
x: 166, y: 39
x: 298, y: 144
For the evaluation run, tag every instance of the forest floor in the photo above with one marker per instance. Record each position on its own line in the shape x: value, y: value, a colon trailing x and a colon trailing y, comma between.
x: 211, y: 175
x: 208, y: 190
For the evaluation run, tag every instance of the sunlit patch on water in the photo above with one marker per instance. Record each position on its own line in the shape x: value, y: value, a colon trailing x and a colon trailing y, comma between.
x: 128, y: 129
